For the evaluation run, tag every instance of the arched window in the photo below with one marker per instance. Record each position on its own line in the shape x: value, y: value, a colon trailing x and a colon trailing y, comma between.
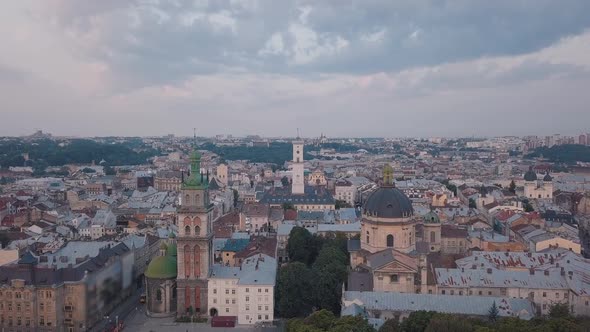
x: 187, y: 230
x: 187, y: 261
x: 186, y: 200
x: 197, y: 230
x: 159, y: 295
x: 432, y: 237
x: 367, y: 237
x: 390, y: 241
x: 197, y: 198
x: 197, y: 261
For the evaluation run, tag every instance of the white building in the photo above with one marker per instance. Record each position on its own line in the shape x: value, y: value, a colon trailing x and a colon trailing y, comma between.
x: 245, y: 292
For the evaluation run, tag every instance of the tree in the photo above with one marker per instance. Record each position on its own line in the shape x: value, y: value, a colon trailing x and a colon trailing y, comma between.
x: 108, y: 170
x: 493, y: 313
x: 352, y: 324
x: 88, y: 170
x: 295, y: 290
x: 236, y: 197
x: 390, y: 325
x: 448, y: 323
x: 342, y: 204
x: 322, y: 319
x: 528, y: 207
x: 285, y: 181
x: 559, y: 310
x: 299, y: 246
x: 472, y: 204
x: 330, y: 271
x: 417, y: 321
x: 512, y: 187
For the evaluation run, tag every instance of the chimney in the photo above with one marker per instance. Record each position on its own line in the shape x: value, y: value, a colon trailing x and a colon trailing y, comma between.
x: 546, y: 272
x: 489, y: 270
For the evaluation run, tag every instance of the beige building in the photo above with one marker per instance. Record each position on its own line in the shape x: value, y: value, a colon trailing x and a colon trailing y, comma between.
x: 256, y: 216
x: 535, y: 188
x: 222, y: 174
x: 168, y: 181
x: 317, y: 178
x: 345, y: 191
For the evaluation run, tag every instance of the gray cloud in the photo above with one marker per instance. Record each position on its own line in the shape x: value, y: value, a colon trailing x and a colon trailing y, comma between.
x: 362, y: 67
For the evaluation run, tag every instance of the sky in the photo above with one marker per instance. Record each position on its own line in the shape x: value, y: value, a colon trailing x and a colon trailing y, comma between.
x: 344, y: 68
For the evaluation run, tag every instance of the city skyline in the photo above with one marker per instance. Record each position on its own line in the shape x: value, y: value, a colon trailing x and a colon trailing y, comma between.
x: 378, y: 69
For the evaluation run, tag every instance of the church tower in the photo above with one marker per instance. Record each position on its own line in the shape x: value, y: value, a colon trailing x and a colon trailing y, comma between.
x: 298, y: 186
x: 194, y: 241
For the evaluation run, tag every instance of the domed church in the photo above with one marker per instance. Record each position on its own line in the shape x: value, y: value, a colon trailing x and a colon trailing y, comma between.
x: 160, y: 277
x: 381, y: 259
x: 388, y: 218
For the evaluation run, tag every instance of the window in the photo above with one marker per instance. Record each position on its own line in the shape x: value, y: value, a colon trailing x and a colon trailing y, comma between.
x: 394, y: 278
x: 490, y: 293
x: 247, y: 316
x: 41, y: 321
x: 266, y: 290
x: 18, y: 296
x: 247, y: 298
x: 259, y: 290
x: 214, y: 290
x: 233, y: 301
x: 226, y: 301
x: 247, y: 290
x: 432, y: 237
x: 233, y: 291
x: 227, y: 292
x: 266, y: 308
x: 480, y: 293
x: 389, y: 241
x: 544, y: 294
x: 259, y: 317
x: 557, y: 295
x: 443, y: 292
x: 159, y: 295
x: 259, y: 308
x: 226, y: 309
x: 18, y: 307
x: 215, y: 301
x: 247, y: 307
x: 187, y: 230
x: 544, y: 306
x: 430, y: 291
x: 452, y: 292
x: 460, y: 292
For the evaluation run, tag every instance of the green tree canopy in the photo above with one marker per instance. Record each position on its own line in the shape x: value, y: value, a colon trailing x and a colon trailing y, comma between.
x: 295, y: 290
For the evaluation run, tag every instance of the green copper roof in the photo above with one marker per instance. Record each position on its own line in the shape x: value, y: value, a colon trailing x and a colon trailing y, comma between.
x: 431, y: 218
x: 172, y: 251
x: 162, y: 267
x: 196, y: 180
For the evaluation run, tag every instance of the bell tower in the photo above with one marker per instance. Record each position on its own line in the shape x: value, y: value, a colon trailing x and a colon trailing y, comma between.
x: 194, y: 241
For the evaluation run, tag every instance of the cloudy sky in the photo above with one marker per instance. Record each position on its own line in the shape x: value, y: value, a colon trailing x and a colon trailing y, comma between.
x: 342, y: 67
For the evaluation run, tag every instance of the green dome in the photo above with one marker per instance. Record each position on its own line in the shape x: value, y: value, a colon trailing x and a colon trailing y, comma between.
x: 431, y: 218
x: 172, y: 251
x: 162, y: 267
x: 171, y: 235
x: 163, y: 246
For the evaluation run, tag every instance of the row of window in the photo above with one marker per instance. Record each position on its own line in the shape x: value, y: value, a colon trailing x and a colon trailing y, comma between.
x: 233, y: 291
x: 259, y: 317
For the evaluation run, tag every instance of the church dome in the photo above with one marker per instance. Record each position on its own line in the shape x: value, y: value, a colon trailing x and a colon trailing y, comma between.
x: 431, y: 218
x: 388, y: 201
x: 163, y: 267
x: 530, y: 175
x: 547, y: 177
